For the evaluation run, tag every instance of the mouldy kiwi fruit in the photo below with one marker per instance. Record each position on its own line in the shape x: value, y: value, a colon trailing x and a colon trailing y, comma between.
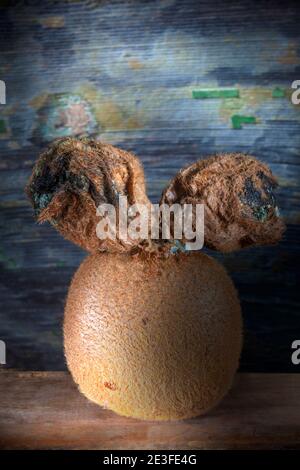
x: 72, y: 177
x: 148, y: 333
x: 238, y: 196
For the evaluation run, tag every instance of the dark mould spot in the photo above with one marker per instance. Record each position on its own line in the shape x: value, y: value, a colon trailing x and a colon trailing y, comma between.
x: 145, y: 320
x: 52, y: 174
x: 45, y: 181
x: 252, y: 196
x: 42, y: 188
x: 48, y: 181
x: 79, y: 182
x: 261, y: 200
x: 95, y: 195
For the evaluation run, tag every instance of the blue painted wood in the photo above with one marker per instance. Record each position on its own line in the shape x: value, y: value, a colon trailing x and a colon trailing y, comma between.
x: 124, y: 72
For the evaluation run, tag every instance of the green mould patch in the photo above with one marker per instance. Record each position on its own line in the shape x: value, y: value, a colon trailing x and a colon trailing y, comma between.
x: 261, y: 213
x: 43, y: 187
x: 261, y: 201
x: 41, y: 201
x: 215, y: 93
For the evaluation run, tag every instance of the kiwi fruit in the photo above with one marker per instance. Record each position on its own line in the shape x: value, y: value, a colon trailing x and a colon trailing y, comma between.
x: 152, y: 331
x: 153, y: 339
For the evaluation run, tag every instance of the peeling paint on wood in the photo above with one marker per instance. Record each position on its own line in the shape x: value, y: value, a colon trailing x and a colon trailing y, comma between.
x: 278, y: 93
x: 237, y: 120
x: 52, y: 21
x: 62, y: 115
x: 216, y: 93
x: 2, y: 126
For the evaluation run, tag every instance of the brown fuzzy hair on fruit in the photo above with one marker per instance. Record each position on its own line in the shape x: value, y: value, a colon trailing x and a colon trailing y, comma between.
x: 155, y: 339
x: 72, y: 177
x: 150, y: 331
x: 238, y: 195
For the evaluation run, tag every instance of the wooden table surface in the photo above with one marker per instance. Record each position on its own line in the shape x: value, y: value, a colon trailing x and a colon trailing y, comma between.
x: 42, y: 410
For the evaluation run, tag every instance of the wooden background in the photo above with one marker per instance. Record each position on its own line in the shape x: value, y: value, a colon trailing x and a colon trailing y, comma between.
x: 125, y: 72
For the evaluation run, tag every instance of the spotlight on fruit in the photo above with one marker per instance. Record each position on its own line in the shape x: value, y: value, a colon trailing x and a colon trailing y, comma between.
x: 152, y: 331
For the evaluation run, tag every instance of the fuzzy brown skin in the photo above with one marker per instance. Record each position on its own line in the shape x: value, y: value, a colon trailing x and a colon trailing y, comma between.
x: 237, y: 191
x: 72, y: 177
x: 149, y: 334
x: 156, y: 339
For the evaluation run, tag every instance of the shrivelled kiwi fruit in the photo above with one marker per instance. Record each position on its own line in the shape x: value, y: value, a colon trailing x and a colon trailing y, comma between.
x: 73, y: 177
x: 238, y: 196
x: 152, y: 331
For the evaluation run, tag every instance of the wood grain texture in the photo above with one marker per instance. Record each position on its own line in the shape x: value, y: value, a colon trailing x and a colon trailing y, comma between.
x: 42, y: 410
x: 125, y: 72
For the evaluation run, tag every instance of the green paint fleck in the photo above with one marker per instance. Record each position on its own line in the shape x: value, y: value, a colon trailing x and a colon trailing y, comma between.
x: 278, y: 93
x: 237, y: 120
x: 3, y: 129
x: 216, y: 93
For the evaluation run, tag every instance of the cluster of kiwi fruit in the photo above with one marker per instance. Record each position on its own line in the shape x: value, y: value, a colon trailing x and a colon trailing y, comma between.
x: 150, y: 331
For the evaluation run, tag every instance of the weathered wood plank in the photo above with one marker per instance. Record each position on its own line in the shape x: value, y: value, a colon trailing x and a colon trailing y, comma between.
x: 44, y: 410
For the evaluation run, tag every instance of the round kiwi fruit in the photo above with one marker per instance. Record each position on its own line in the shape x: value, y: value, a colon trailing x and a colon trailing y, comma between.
x: 155, y: 339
